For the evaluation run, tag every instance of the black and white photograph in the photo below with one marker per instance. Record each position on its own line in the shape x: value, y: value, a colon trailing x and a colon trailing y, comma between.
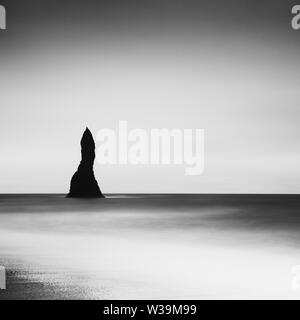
x: 150, y: 150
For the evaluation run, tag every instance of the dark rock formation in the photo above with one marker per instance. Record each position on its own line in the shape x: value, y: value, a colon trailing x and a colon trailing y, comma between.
x: 83, y: 183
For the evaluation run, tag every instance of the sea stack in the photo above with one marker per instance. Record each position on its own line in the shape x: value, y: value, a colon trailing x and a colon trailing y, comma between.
x: 83, y: 183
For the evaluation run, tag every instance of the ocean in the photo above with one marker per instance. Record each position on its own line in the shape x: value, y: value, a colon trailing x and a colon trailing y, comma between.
x: 150, y: 246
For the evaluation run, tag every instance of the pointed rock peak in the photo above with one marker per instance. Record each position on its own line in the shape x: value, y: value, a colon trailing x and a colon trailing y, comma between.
x: 87, y: 131
x: 87, y: 138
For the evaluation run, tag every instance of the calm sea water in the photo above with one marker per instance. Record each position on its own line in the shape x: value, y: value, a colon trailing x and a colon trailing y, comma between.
x: 150, y: 246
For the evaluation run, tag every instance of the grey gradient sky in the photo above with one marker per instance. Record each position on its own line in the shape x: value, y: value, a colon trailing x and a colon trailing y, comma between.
x: 230, y: 67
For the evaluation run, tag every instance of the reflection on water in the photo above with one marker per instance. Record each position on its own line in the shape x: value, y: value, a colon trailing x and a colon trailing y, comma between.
x: 149, y: 246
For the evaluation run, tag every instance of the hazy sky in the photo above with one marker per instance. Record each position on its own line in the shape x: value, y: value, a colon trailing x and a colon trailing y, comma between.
x: 230, y: 67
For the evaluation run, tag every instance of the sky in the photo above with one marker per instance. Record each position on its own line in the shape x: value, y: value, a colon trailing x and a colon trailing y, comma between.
x: 230, y: 67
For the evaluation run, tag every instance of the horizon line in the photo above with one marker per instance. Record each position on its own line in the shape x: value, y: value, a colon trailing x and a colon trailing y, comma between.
x: 152, y: 193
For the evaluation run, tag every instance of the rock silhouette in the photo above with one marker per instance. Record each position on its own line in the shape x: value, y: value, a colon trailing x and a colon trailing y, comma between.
x: 83, y: 183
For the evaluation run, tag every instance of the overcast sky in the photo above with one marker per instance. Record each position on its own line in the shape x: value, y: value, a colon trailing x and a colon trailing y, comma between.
x: 230, y: 67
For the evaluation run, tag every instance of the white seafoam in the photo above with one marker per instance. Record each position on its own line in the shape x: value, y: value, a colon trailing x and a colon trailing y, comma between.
x: 185, y: 263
